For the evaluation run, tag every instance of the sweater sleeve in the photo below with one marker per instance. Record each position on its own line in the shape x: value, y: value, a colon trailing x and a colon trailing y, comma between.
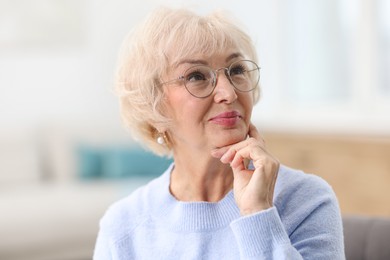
x: 262, y: 236
x: 310, y: 226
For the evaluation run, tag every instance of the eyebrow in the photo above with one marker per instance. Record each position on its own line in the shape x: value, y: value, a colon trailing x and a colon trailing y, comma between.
x: 192, y: 61
x: 234, y: 55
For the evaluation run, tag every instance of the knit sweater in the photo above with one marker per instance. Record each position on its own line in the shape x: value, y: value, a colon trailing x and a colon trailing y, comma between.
x: 304, y: 223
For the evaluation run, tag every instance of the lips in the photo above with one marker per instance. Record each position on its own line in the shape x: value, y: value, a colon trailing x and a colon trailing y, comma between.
x: 229, y: 118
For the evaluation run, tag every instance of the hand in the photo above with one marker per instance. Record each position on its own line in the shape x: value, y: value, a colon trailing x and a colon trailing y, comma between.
x: 253, y: 189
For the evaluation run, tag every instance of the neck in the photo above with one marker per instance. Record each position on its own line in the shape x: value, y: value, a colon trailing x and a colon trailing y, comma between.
x: 200, y: 179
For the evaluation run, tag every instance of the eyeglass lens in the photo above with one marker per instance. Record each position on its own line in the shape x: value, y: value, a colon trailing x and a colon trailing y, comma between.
x: 200, y: 80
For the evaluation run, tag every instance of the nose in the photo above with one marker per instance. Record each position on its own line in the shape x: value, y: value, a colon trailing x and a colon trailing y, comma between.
x: 224, y: 90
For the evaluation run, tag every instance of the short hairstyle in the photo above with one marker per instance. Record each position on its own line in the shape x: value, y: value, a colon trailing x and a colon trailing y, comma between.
x: 163, y: 39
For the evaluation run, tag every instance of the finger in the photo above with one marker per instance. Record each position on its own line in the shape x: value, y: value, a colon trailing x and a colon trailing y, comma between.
x: 242, y: 150
x: 225, y: 151
x: 253, y: 132
x: 250, y: 152
x: 219, y: 152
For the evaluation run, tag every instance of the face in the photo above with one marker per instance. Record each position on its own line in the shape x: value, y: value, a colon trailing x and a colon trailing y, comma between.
x: 206, y: 123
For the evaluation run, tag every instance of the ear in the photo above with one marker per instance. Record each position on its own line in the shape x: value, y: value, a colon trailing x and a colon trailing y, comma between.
x: 158, y: 129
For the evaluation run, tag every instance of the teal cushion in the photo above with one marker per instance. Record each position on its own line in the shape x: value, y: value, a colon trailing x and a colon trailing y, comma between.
x: 88, y: 162
x: 118, y: 162
x: 132, y: 161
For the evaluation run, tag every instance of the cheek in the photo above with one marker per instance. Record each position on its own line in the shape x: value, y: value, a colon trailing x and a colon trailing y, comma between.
x: 183, y: 108
x: 174, y: 99
x: 193, y: 112
x: 247, y: 103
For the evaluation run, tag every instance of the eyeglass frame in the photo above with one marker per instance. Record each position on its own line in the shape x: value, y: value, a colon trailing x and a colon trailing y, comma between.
x: 215, y: 74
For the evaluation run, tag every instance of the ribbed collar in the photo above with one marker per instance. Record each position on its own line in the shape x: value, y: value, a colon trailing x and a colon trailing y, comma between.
x: 189, y: 216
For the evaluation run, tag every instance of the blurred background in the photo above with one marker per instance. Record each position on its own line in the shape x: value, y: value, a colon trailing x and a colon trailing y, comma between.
x: 65, y: 156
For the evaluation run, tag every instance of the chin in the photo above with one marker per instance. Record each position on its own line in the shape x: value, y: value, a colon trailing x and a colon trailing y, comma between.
x: 224, y: 140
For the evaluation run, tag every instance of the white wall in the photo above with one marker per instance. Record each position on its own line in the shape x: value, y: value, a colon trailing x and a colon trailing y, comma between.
x: 318, y: 62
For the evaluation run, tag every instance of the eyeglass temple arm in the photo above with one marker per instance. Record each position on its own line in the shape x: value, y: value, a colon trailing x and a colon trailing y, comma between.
x: 172, y: 80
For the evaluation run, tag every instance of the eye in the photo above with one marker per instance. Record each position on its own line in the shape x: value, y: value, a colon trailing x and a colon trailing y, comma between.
x: 238, y: 69
x: 194, y: 76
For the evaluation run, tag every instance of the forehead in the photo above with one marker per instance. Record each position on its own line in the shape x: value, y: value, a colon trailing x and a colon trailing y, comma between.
x: 220, y: 58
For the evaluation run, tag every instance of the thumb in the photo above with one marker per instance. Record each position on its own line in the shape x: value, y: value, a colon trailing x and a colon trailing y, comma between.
x: 253, y: 132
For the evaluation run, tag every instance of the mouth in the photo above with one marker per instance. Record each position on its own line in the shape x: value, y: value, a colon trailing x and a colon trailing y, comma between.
x: 229, y: 118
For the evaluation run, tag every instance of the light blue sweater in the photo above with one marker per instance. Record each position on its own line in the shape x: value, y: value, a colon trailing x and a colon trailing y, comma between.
x: 305, y: 223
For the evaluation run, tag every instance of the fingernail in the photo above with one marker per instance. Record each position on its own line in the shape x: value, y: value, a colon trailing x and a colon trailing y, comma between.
x: 224, y: 157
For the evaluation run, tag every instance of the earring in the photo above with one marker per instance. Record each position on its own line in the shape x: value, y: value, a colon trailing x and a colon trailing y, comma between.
x: 161, y: 138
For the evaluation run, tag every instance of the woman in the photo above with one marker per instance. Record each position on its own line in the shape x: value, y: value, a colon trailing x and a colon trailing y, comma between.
x: 187, y: 85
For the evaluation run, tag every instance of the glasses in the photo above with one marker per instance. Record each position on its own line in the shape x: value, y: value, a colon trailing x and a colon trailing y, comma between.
x: 200, y: 80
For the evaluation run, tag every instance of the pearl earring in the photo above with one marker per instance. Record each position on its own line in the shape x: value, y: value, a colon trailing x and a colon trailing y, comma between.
x: 160, y: 140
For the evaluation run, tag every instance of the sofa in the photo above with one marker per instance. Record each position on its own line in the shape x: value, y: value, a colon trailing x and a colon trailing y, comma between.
x: 60, y: 222
x: 56, y: 221
x: 56, y: 185
x: 366, y: 238
x: 57, y: 182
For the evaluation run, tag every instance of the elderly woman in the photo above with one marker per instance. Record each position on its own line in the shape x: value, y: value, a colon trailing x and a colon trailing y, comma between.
x: 187, y: 85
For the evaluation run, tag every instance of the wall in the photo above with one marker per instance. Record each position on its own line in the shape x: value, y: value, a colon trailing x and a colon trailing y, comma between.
x: 325, y: 61
x: 324, y: 68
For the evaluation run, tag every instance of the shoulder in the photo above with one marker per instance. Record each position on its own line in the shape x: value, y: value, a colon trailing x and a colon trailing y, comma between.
x: 123, y: 216
x: 299, y: 195
x: 297, y: 182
